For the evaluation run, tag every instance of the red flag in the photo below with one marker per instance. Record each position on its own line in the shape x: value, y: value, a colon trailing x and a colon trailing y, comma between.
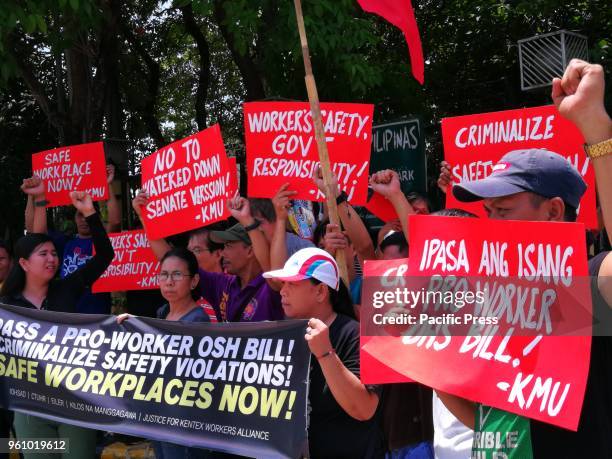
x: 401, y: 15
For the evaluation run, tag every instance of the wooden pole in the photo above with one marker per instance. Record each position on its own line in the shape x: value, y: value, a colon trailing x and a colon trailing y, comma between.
x: 315, y: 109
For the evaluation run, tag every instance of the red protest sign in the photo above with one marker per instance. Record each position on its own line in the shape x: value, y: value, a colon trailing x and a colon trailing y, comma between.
x: 234, y: 175
x: 533, y: 279
x: 73, y: 168
x: 134, y: 267
x: 373, y: 371
x: 281, y: 148
x: 381, y: 207
x: 473, y: 144
x: 188, y: 183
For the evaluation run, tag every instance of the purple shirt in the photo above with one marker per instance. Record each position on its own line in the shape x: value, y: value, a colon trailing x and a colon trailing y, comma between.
x: 224, y: 293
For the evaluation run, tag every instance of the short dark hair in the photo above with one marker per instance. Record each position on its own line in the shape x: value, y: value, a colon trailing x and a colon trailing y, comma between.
x: 570, y: 213
x: 263, y: 207
x: 397, y: 239
x: 453, y: 212
x: 319, y: 232
x: 211, y: 245
x: 414, y: 196
x: 7, y: 247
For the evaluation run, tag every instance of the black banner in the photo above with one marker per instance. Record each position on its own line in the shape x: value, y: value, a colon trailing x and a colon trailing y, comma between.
x: 239, y: 388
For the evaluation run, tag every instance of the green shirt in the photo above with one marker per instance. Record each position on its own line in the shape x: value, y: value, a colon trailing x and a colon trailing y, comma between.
x: 500, y: 435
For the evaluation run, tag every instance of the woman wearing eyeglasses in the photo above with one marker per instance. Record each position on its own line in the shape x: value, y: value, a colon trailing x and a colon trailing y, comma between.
x: 178, y: 281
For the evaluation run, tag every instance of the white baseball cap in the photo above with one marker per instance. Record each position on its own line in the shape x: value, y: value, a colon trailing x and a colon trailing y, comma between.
x: 309, y: 263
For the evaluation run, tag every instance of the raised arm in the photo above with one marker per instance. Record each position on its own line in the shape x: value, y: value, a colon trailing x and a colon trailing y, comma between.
x: 387, y: 183
x: 159, y: 246
x: 36, y: 212
x: 579, y: 97
x: 240, y: 209
x: 104, y: 253
x: 278, y: 244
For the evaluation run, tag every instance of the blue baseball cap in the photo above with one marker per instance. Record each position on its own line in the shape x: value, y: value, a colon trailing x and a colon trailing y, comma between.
x: 540, y: 171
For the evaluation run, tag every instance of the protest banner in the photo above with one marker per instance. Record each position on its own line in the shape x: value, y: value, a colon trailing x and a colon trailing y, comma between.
x: 400, y: 146
x: 188, y: 182
x: 281, y: 148
x: 134, y: 267
x: 238, y: 388
x: 492, y: 311
x: 73, y: 168
x: 473, y: 144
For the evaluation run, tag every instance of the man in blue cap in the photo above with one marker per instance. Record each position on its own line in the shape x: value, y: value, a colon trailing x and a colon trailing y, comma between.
x: 536, y: 185
x: 539, y: 185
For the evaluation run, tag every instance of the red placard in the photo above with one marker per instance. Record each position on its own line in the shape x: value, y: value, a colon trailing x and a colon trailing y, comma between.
x: 234, y: 177
x: 474, y: 143
x: 381, y: 207
x: 373, y: 371
x: 188, y: 183
x: 527, y: 367
x: 73, y: 168
x: 281, y: 148
x: 134, y: 267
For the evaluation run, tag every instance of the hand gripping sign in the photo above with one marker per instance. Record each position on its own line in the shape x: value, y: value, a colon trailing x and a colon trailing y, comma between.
x: 492, y: 311
x: 281, y: 148
x: 473, y: 144
x: 73, y: 168
x: 188, y: 182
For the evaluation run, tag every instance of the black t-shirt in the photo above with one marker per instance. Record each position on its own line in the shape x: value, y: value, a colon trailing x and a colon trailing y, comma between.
x: 594, y: 436
x: 332, y: 432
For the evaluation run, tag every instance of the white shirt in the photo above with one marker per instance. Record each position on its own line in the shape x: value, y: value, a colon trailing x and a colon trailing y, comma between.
x: 452, y: 440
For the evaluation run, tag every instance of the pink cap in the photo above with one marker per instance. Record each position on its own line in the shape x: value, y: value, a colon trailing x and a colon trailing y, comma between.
x: 309, y: 263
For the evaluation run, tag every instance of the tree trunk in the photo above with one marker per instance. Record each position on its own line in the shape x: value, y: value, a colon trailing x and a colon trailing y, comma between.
x: 246, y: 64
x: 204, y: 72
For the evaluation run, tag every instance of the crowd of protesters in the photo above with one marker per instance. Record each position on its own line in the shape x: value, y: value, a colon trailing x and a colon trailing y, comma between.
x: 253, y: 268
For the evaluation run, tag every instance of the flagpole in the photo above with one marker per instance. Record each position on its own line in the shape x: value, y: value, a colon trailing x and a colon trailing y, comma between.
x: 315, y: 109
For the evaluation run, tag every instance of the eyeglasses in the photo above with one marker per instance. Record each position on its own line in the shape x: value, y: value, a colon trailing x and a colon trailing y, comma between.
x: 176, y: 276
x: 198, y: 250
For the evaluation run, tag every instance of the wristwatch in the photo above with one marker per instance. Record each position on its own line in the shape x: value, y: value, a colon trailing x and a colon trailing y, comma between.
x: 252, y: 226
x: 42, y: 203
x: 598, y: 150
x: 342, y: 197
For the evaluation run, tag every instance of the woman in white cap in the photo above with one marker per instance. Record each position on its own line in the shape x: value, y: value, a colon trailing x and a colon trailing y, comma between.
x: 344, y: 419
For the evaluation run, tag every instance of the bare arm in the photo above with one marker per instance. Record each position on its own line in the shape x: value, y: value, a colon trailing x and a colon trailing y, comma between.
x: 35, y: 189
x: 278, y: 245
x: 356, y: 231
x: 579, y: 97
x: 159, y: 246
x: 29, y: 214
x: 462, y: 409
x: 354, y: 398
x: 241, y: 210
x: 387, y: 183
